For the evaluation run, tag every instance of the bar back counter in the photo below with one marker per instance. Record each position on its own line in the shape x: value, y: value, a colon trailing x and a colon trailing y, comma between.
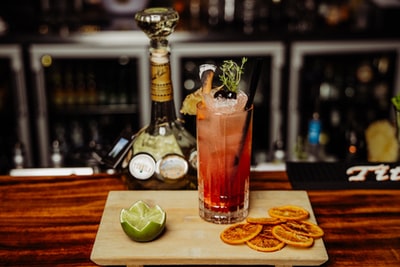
x: 53, y: 220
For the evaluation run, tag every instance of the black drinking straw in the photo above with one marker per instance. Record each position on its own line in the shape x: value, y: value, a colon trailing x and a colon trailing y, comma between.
x: 254, y: 82
x: 252, y: 92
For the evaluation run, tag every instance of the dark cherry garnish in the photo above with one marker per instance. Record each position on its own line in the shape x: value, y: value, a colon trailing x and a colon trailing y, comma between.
x: 223, y: 93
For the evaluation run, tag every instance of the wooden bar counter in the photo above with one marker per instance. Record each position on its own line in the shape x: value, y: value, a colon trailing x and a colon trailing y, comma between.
x: 53, y: 221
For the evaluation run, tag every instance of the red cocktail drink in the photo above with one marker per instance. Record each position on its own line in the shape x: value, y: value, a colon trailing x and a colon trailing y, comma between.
x: 224, y: 152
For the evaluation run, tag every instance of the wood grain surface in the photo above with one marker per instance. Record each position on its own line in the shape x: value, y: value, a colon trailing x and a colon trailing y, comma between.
x: 53, y: 221
x: 190, y: 240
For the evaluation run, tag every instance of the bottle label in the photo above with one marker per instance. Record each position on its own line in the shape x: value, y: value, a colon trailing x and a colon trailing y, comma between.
x: 161, y: 86
x: 142, y: 166
x: 172, y: 167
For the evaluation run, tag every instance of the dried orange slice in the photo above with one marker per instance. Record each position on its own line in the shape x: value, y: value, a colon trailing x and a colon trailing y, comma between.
x: 264, y: 220
x: 265, y: 241
x: 292, y: 238
x: 304, y: 228
x: 289, y: 212
x: 240, y: 233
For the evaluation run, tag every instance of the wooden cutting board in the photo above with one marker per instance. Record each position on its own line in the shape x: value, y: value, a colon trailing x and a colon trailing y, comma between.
x: 188, y: 240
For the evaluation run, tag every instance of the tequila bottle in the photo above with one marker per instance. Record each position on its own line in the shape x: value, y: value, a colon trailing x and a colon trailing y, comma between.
x: 164, y: 154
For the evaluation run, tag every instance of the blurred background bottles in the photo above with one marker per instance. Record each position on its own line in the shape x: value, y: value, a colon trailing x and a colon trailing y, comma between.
x: 63, y: 17
x: 94, y: 82
x: 89, y: 103
x: 90, y: 99
x: 352, y: 91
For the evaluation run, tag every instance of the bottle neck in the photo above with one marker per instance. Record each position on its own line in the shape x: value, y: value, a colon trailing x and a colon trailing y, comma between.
x: 163, y: 106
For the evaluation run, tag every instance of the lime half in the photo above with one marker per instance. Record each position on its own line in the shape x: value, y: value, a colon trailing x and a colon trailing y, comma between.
x: 143, y: 223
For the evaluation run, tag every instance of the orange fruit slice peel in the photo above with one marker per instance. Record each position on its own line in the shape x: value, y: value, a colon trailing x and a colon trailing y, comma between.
x: 292, y: 238
x: 240, y: 233
x: 289, y: 212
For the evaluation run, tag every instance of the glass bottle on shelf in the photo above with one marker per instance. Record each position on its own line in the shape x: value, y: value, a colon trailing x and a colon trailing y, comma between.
x: 163, y: 154
x: 313, y: 136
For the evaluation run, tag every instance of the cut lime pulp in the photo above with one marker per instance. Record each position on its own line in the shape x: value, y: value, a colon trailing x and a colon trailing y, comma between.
x: 143, y: 223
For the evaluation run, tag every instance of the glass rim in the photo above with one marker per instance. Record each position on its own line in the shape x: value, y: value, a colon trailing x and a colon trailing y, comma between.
x: 201, y: 105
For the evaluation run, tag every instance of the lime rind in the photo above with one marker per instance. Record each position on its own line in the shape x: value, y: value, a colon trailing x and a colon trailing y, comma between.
x: 142, y: 222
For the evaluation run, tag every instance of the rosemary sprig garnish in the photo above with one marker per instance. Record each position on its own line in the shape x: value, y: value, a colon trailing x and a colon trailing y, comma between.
x: 231, y: 74
x: 396, y: 101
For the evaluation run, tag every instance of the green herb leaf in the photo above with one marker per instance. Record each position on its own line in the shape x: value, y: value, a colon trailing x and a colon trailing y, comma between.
x: 231, y: 74
x: 396, y: 102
